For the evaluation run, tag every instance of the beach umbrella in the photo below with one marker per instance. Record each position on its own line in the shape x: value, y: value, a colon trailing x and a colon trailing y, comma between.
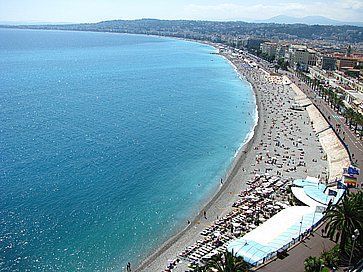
x: 217, y: 234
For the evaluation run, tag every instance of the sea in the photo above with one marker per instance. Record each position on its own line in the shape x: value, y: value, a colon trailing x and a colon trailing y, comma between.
x: 109, y: 143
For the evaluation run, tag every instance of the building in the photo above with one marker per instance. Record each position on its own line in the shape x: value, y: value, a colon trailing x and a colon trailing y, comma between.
x: 298, y: 57
x: 320, y: 74
x: 269, y: 49
x: 327, y: 63
x: 301, y: 57
x: 354, y: 99
x: 311, y: 57
x: 355, y: 84
x: 350, y: 89
x: 346, y: 62
x: 281, y: 51
x: 252, y: 43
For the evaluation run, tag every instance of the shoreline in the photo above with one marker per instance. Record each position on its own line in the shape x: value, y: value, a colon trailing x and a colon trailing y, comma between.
x: 286, y: 136
x: 238, y: 160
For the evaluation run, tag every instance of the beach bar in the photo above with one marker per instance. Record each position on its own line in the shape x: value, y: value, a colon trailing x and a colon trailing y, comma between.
x: 288, y: 226
x: 276, y: 235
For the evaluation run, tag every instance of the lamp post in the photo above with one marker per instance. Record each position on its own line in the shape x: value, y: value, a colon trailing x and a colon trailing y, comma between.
x: 354, y: 237
x: 302, y: 218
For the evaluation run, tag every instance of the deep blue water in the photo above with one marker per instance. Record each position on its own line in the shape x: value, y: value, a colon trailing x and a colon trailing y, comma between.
x: 108, y: 144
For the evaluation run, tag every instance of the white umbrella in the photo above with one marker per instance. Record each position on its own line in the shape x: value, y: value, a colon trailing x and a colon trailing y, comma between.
x: 217, y: 234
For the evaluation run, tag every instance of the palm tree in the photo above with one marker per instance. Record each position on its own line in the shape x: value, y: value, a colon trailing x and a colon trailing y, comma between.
x: 335, y: 100
x: 344, y: 218
x: 340, y: 104
x: 349, y: 116
x: 360, y: 123
x: 315, y: 82
x: 227, y: 262
x: 324, y: 93
x: 319, y: 88
x: 358, y: 120
x: 330, y: 96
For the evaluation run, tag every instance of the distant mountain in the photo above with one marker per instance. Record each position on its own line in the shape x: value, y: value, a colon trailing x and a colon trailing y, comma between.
x: 309, y: 20
x: 216, y: 31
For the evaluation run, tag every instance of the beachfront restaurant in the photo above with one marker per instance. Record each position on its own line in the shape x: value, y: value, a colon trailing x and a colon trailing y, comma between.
x: 276, y: 235
x: 288, y: 226
x: 311, y: 192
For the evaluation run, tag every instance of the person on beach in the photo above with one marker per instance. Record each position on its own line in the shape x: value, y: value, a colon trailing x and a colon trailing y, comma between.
x: 205, y: 214
x: 128, y: 267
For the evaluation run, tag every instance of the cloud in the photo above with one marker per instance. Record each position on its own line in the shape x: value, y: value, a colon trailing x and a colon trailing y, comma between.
x: 347, y: 10
x: 352, y: 4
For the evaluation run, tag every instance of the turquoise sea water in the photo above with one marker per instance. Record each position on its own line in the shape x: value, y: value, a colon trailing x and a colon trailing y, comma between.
x: 108, y: 144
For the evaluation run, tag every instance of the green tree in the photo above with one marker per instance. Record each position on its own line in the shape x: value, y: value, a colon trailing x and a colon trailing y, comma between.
x: 227, y: 262
x: 199, y: 268
x: 349, y: 113
x: 313, y: 264
x: 357, y: 119
x: 340, y: 104
x: 344, y: 218
x: 331, y: 258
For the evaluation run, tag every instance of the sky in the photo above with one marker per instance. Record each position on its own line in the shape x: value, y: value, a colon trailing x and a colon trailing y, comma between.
x: 98, y: 10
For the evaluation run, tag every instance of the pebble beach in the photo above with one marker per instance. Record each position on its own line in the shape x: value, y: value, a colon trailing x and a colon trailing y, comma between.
x: 284, y: 146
